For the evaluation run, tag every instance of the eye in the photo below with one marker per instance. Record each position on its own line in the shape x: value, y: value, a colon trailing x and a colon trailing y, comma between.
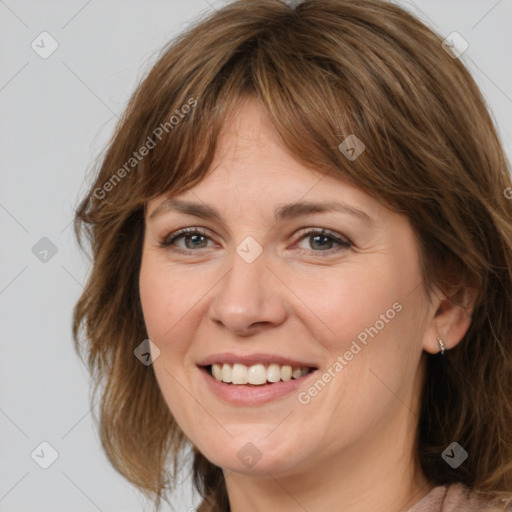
x: 319, y: 240
x: 194, y: 238
x: 324, y: 240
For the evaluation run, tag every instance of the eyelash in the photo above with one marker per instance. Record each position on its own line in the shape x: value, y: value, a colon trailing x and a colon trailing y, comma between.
x: 343, y: 243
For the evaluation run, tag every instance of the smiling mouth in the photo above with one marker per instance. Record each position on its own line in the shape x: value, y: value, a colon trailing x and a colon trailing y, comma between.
x: 256, y: 374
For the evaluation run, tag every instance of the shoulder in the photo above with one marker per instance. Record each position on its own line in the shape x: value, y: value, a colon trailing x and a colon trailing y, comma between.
x: 454, y: 498
x: 460, y: 498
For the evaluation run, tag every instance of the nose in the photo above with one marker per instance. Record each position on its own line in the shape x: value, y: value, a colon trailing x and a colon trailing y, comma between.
x: 249, y: 298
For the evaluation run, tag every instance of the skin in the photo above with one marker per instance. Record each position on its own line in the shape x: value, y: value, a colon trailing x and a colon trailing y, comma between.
x: 353, y: 443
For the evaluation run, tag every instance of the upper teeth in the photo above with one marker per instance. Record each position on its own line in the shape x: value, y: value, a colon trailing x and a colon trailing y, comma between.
x: 256, y: 374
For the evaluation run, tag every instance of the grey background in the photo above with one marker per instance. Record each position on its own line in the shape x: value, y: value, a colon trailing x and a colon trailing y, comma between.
x: 56, y: 116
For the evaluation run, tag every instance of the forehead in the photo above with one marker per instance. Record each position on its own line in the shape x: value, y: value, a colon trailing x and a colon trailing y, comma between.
x: 252, y: 168
x: 251, y: 157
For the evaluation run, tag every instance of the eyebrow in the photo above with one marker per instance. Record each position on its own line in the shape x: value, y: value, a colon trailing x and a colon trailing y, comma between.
x: 283, y: 212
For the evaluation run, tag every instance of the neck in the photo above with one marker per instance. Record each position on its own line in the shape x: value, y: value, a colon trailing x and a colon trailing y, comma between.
x: 392, y: 491
x: 381, y: 468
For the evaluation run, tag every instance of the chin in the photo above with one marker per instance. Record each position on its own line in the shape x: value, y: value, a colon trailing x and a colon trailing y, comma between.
x: 268, y: 463
x: 253, y: 452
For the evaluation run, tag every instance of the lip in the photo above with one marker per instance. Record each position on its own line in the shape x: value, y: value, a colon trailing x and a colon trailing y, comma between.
x: 251, y: 395
x: 250, y: 359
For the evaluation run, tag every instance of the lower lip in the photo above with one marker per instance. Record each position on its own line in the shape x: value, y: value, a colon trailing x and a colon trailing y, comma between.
x: 242, y: 394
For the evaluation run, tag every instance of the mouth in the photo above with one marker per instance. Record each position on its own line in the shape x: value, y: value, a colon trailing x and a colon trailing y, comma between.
x: 249, y: 380
x: 259, y: 374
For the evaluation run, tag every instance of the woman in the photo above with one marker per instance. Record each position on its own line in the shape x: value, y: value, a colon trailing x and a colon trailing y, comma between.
x: 302, y: 248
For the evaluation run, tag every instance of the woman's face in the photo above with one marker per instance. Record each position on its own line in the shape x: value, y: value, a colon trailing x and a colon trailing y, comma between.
x: 261, y: 285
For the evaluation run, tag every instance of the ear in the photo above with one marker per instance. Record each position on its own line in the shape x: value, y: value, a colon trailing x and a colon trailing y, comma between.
x: 451, y: 318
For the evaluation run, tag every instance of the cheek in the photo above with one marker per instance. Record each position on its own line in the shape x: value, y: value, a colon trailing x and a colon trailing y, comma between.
x: 168, y: 309
x: 370, y: 315
x: 160, y: 302
x: 344, y: 302
x: 155, y: 300
x: 168, y: 295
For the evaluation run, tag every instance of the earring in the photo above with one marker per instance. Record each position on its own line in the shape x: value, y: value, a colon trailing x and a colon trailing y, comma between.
x: 441, y: 345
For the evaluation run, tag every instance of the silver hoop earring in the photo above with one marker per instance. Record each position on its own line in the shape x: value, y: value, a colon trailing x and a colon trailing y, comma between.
x: 441, y: 345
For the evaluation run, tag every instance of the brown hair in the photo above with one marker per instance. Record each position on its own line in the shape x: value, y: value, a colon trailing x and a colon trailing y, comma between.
x: 322, y: 69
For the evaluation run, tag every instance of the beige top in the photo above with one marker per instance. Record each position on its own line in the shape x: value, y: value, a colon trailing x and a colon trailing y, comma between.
x: 453, y: 498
